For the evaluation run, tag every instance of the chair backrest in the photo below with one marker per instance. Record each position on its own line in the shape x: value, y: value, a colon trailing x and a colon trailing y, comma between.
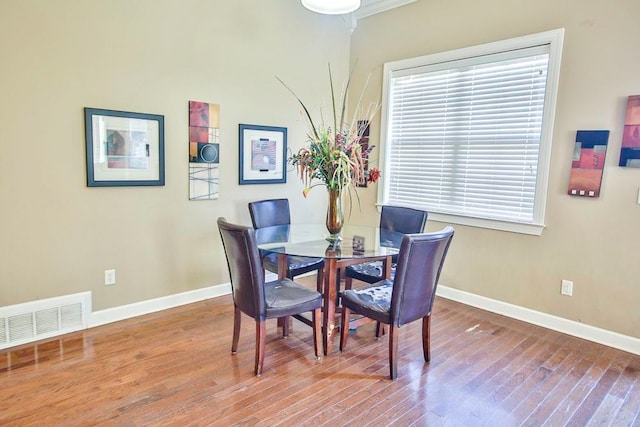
x: 245, y: 268
x: 403, y: 220
x: 420, y: 261
x: 266, y: 213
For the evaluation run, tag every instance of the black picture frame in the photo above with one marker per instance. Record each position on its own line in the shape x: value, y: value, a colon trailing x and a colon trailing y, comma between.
x: 263, y: 154
x: 124, y: 148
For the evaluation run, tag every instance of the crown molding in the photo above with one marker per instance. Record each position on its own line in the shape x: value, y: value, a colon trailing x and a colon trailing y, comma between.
x: 372, y: 7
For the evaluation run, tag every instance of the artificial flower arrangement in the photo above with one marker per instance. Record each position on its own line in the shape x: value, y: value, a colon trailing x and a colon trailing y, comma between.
x: 335, y: 157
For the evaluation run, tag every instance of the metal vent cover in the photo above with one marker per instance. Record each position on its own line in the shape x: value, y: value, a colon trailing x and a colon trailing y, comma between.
x: 37, y: 320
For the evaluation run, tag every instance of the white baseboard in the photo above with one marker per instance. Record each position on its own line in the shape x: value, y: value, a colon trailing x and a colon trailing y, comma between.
x: 114, y: 314
x: 128, y: 311
x: 570, y: 327
x: 577, y: 329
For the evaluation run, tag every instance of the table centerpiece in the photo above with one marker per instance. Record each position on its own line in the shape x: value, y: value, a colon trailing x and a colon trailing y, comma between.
x: 335, y: 157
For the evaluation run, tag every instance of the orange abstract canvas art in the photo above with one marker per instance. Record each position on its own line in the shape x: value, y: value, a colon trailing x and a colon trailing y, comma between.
x: 204, y: 150
x: 588, y: 163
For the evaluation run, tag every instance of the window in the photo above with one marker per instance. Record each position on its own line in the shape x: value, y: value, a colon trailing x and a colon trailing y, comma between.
x: 467, y: 134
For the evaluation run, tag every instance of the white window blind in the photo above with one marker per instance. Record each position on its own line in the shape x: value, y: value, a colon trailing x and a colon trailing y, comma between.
x: 463, y: 137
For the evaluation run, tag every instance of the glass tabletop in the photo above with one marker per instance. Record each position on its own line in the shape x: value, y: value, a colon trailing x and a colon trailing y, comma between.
x: 309, y: 240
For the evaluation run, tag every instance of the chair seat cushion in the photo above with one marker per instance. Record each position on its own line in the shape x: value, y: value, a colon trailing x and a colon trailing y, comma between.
x: 369, y: 272
x: 286, y: 297
x: 372, y: 301
x: 296, y: 264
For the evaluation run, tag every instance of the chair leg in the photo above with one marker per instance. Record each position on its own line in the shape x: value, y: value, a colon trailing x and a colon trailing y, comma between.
x: 379, y: 329
x: 348, y: 283
x: 317, y: 333
x: 426, y: 338
x: 237, y: 314
x: 261, y: 333
x: 344, y: 328
x: 286, y: 321
x: 393, y: 352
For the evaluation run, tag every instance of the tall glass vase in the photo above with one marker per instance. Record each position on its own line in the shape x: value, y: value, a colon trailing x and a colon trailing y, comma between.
x: 335, y: 216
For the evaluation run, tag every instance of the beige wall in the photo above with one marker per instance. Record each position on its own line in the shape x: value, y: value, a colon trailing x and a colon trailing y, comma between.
x: 153, y: 56
x: 150, y: 56
x: 594, y: 243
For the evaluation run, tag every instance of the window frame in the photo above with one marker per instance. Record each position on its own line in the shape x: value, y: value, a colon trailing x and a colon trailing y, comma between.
x: 553, y: 38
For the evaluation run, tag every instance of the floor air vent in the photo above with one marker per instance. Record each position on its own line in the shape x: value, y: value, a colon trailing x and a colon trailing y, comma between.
x: 37, y: 320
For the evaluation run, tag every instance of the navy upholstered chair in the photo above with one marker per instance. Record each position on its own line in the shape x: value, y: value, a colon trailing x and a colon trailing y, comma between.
x: 267, y: 213
x: 409, y: 297
x: 393, y: 218
x: 260, y: 300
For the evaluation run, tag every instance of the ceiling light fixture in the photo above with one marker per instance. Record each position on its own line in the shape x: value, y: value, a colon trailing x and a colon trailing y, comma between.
x: 332, y: 7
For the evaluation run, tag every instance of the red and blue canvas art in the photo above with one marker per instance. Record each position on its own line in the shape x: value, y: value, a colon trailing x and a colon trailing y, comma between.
x: 630, y: 151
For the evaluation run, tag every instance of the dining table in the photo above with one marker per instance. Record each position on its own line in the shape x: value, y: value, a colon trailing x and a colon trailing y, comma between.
x: 358, y: 244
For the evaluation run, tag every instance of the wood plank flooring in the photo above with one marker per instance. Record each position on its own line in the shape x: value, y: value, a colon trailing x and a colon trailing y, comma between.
x: 175, y: 368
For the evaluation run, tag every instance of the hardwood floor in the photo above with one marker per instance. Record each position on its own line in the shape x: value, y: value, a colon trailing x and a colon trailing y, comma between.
x: 175, y: 368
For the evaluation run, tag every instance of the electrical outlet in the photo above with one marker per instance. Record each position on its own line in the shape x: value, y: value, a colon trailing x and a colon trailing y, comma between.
x: 109, y: 277
x: 567, y: 288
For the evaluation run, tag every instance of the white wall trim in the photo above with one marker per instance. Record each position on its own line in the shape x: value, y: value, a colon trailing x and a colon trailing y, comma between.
x: 372, y: 7
x: 570, y: 327
x: 577, y: 329
x: 140, y: 308
x: 123, y: 312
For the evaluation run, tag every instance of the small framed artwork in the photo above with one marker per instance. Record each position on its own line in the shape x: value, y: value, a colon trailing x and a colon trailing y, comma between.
x: 262, y: 154
x: 630, y: 150
x: 124, y: 148
x: 204, y: 150
x: 587, y: 166
x: 363, y: 131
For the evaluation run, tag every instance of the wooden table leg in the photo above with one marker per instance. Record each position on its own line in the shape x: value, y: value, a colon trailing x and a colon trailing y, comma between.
x: 282, y: 274
x: 329, y: 312
x: 386, y: 274
x: 282, y: 266
x: 386, y: 268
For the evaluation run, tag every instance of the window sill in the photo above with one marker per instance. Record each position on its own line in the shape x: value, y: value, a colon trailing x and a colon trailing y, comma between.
x: 513, y: 227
